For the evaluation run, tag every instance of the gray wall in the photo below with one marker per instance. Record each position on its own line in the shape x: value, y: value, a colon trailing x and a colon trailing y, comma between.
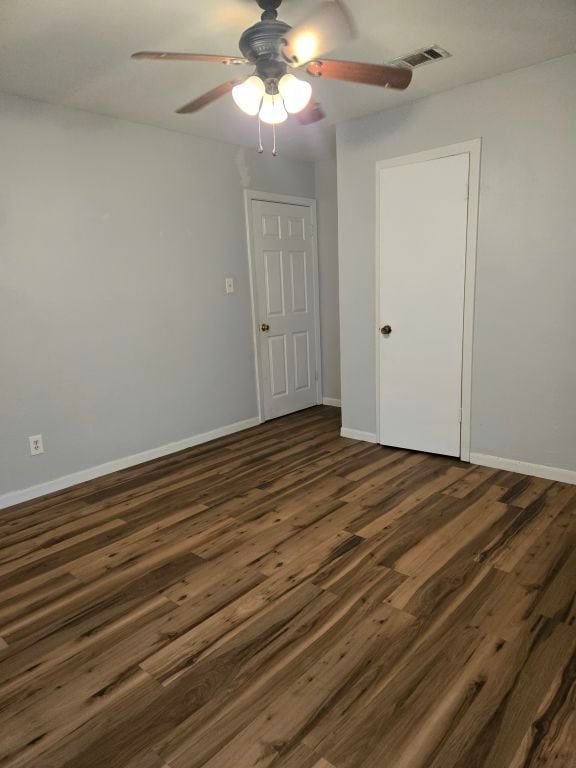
x: 327, y: 202
x: 524, y: 371
x: 116, y: 335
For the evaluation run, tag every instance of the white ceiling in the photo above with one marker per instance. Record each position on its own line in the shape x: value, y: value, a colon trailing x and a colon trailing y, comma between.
x: 76, y: 52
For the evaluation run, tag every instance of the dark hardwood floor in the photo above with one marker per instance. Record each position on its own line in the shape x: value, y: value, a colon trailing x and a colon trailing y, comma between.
x: 286, y: 597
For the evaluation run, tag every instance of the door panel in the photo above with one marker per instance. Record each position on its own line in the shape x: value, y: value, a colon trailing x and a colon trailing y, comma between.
x: 270, y: 226
x: 301, y: 360
x: 423, y: 226
x: 296, y: 227
x: 274, y: 281
x: 278, y: 365
x: 298, y: 281
x: 285, y: 301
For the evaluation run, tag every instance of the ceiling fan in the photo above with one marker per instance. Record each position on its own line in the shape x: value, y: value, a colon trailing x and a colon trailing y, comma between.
x: 274, y: 48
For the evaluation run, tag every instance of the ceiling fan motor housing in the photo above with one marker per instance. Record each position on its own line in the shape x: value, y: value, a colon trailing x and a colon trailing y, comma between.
x: 261, y: 45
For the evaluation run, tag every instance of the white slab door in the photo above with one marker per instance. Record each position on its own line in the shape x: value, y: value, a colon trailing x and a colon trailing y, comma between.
x: 423, y: 213
x: 285, y: 298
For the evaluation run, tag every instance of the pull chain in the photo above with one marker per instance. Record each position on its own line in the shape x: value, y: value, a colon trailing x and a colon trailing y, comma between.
x: 274, y: 140
x: 260, y: 147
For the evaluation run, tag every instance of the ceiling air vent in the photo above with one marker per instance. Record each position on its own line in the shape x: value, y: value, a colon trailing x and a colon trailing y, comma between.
x: 423, y: 56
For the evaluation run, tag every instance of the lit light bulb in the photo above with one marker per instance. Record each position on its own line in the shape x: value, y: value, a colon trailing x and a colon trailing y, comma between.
x: 272, y: 110
x: 328, y: 26
x: 248, y: 95
x: 295, y: 93
x: 306, y: 47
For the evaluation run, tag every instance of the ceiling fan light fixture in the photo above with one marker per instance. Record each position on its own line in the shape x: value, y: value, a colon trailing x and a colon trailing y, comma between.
x: 271, y: 46
x: 248, y: 95
x: 295, y: 93
x: 272, y: 110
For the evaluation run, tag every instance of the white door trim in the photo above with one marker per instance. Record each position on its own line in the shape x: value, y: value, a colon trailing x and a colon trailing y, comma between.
x: 307, y: 202
x: 473, y: 149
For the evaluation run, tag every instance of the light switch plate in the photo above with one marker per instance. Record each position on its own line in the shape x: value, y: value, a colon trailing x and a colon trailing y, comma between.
x: 229, y: 285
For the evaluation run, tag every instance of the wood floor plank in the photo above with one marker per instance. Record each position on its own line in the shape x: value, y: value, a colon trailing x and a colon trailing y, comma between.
x: 287, y: 598
x: 25, y: 666
x: 427, y: 687
x: 558, y: 600
x: 268, y: 736
x: 302, y: 757
x: 190, y: 707
x: 508, y: 721
x: 405, y: 500
x: 44, y: 619
x: 170, y: 662
x: 539, y: 515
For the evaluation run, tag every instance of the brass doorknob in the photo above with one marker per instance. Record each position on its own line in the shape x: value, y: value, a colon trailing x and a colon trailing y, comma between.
x: 264, y: 327
x: 386, y: 330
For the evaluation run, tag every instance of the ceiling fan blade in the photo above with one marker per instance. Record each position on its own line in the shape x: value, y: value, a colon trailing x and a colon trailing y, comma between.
x: 312, y: 113
x: 208, y: 97
x: 211, y: 58
x: 326, y: 28
x: 357, y: 72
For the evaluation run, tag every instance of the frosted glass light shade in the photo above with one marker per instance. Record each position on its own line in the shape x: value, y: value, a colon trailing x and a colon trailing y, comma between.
x: 272, y: 110
x: 248, y: 95
x: 295, y: 93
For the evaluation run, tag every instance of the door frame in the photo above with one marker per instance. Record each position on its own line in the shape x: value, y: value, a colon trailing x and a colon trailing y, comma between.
x: 306, y: 202
x: 473, y: 148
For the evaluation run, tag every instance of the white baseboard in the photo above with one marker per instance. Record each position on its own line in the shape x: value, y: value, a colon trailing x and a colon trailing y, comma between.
x: 60, y: 483
x: 356, y: 434
x: 525, y: 468
x: 332, y: 401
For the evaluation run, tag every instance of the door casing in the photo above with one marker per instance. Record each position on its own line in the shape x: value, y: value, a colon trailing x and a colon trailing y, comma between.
x: 249, y: 196
x: 473, y: 148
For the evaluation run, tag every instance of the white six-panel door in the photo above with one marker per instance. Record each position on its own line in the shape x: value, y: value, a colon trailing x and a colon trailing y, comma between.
x: 286, y: 312
x: 423, y: 209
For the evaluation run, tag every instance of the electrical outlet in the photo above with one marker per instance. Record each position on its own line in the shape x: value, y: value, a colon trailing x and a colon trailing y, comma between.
x: 229, y: 285
x: 36, y: 445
